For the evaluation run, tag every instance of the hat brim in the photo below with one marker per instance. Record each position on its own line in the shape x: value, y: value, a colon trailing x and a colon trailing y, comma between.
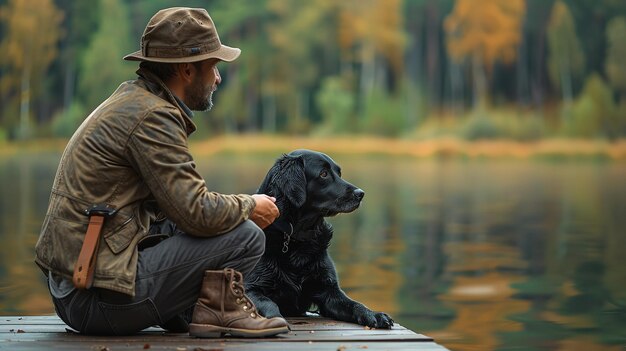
x: 224, y: 53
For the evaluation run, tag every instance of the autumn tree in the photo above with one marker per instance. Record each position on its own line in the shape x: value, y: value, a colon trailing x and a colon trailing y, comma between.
x: 616, y: 53
x: 484, y: 34
x: 372, y: 42
x: 566, y: 60
x: 371, y: 33
x: 30, y: 44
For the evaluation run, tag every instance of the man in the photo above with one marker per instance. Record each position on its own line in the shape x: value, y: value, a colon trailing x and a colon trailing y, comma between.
x: 124, y: 171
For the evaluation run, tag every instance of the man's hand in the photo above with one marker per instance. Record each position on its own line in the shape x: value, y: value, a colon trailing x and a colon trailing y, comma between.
x: 265, y: 211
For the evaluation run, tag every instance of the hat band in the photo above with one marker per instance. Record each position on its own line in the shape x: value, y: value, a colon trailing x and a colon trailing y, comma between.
x: 180, y: 52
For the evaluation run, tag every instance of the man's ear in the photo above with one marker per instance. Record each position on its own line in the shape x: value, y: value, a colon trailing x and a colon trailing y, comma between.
x: 185, y: 71
x: 289, y: 179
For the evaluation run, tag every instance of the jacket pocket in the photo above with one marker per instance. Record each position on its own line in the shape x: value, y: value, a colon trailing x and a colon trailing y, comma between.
x: 130, y: 318
x: 119, y: 237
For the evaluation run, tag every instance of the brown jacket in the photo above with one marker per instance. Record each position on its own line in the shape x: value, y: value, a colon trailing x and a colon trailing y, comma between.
x: 132, y: 154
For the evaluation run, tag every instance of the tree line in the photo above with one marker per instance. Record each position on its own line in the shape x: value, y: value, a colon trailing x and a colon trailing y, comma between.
x: 521, y: 69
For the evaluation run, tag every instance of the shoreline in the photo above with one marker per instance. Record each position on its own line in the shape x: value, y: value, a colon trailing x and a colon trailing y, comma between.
x: 441, y: 148
x: 444, y: 147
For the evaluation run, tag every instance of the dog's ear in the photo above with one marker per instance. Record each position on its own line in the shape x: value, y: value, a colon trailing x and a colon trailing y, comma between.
x: 288, y: 178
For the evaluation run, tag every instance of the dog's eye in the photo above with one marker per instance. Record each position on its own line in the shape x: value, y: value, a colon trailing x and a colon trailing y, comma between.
x: 324, y: 174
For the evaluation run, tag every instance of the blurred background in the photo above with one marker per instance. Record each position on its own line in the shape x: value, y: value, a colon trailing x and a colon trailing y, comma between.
x: 517, y: 69
x: 488, y: 135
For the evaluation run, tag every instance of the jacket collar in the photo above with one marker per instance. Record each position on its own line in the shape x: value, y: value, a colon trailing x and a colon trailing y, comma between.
x: 156, y: 86
x: 182, y: 105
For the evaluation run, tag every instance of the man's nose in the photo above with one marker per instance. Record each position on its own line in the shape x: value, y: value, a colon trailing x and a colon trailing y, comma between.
x: 218, y: 78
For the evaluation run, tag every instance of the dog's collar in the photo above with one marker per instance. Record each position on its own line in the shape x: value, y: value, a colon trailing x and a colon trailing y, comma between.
x: 287, y: 230
x: 282, y: 226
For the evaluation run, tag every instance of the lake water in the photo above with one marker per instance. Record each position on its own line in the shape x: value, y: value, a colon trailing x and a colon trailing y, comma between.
x: 479, y: 254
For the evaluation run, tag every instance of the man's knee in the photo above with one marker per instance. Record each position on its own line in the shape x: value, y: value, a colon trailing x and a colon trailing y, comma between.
x: 255, y: 237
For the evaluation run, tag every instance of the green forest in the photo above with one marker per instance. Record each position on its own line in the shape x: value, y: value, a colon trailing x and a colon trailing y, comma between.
x: 472, y: 69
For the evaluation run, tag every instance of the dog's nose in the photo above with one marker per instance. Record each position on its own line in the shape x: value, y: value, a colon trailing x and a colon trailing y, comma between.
x: 358, y: 193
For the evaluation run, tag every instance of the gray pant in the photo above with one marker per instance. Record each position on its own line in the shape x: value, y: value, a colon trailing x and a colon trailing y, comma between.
x: 169, y: 277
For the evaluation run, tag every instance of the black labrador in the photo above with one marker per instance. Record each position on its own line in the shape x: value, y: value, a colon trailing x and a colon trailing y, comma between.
x: 296, y: 272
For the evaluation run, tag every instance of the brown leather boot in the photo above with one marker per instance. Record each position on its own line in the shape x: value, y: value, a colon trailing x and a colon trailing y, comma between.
x: 223, y: 308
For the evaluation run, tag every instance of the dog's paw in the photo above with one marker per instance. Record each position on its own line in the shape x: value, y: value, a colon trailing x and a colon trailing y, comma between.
x: 383, y: 320
x: 378, y: 320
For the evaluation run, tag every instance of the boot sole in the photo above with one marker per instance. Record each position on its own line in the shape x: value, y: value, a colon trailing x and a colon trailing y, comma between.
x: 213, y: 331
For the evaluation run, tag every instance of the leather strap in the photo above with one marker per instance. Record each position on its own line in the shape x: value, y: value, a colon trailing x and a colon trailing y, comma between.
x: 86, y: 264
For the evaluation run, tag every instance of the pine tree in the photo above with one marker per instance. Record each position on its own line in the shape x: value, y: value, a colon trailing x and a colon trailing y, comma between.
x: 102, y: 66
x: 566, y: 60
x: 614, y: 65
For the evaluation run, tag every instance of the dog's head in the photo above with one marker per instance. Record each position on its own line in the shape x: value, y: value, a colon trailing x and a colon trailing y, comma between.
x: 307, y: 180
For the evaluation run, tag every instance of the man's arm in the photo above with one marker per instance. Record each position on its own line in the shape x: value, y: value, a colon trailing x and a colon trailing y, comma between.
x: 159, y: 152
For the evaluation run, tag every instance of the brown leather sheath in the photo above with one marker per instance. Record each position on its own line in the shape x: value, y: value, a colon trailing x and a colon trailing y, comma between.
x: 86, y: 263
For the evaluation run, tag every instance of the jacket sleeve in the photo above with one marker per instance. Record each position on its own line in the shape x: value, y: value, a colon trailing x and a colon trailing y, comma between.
x: 159, y: 152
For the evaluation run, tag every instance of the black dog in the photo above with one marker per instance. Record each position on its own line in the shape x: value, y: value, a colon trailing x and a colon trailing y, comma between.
x: 296, y: 271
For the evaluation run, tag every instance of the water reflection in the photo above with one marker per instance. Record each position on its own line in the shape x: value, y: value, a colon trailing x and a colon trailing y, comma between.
x: 481, y: 255
x: 25, y: 182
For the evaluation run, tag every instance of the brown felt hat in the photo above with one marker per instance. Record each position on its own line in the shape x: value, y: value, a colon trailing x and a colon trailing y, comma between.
x: 182, y: 34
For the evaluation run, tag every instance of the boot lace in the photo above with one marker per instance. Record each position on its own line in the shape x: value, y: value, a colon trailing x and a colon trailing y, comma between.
x: 238, y: 290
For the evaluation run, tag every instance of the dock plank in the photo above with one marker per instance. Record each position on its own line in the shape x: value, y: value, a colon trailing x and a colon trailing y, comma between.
x: 240, y: 346
x: 296, y: 323
x: 308, y: 333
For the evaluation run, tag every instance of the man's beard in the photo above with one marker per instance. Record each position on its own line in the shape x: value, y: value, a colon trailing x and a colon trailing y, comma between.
x: 199, y: 97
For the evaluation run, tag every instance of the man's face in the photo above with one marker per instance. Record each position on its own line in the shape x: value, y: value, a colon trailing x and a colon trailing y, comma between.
x: 199, y: 94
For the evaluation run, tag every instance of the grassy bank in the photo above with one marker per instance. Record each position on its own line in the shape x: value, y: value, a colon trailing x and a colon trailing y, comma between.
x: 552, y: 148
x: 442, y: 147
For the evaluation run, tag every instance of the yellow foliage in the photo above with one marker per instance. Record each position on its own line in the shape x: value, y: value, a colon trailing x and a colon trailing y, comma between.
x: 30, y: 40
x: 489, y: 30
x: 374, y: 25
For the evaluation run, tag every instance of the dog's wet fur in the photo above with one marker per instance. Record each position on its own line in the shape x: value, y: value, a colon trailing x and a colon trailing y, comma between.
x: 296, y: 273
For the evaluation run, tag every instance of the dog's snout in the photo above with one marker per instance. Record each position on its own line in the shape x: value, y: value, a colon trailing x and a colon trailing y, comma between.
x: 358, y: 193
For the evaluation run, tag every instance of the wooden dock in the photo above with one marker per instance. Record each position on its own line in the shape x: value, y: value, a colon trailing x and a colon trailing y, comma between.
x: 307, y: 333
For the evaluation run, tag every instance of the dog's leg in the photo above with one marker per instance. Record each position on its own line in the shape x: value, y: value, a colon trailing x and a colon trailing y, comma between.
x: 264, y: 305
x: 334, y: 303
